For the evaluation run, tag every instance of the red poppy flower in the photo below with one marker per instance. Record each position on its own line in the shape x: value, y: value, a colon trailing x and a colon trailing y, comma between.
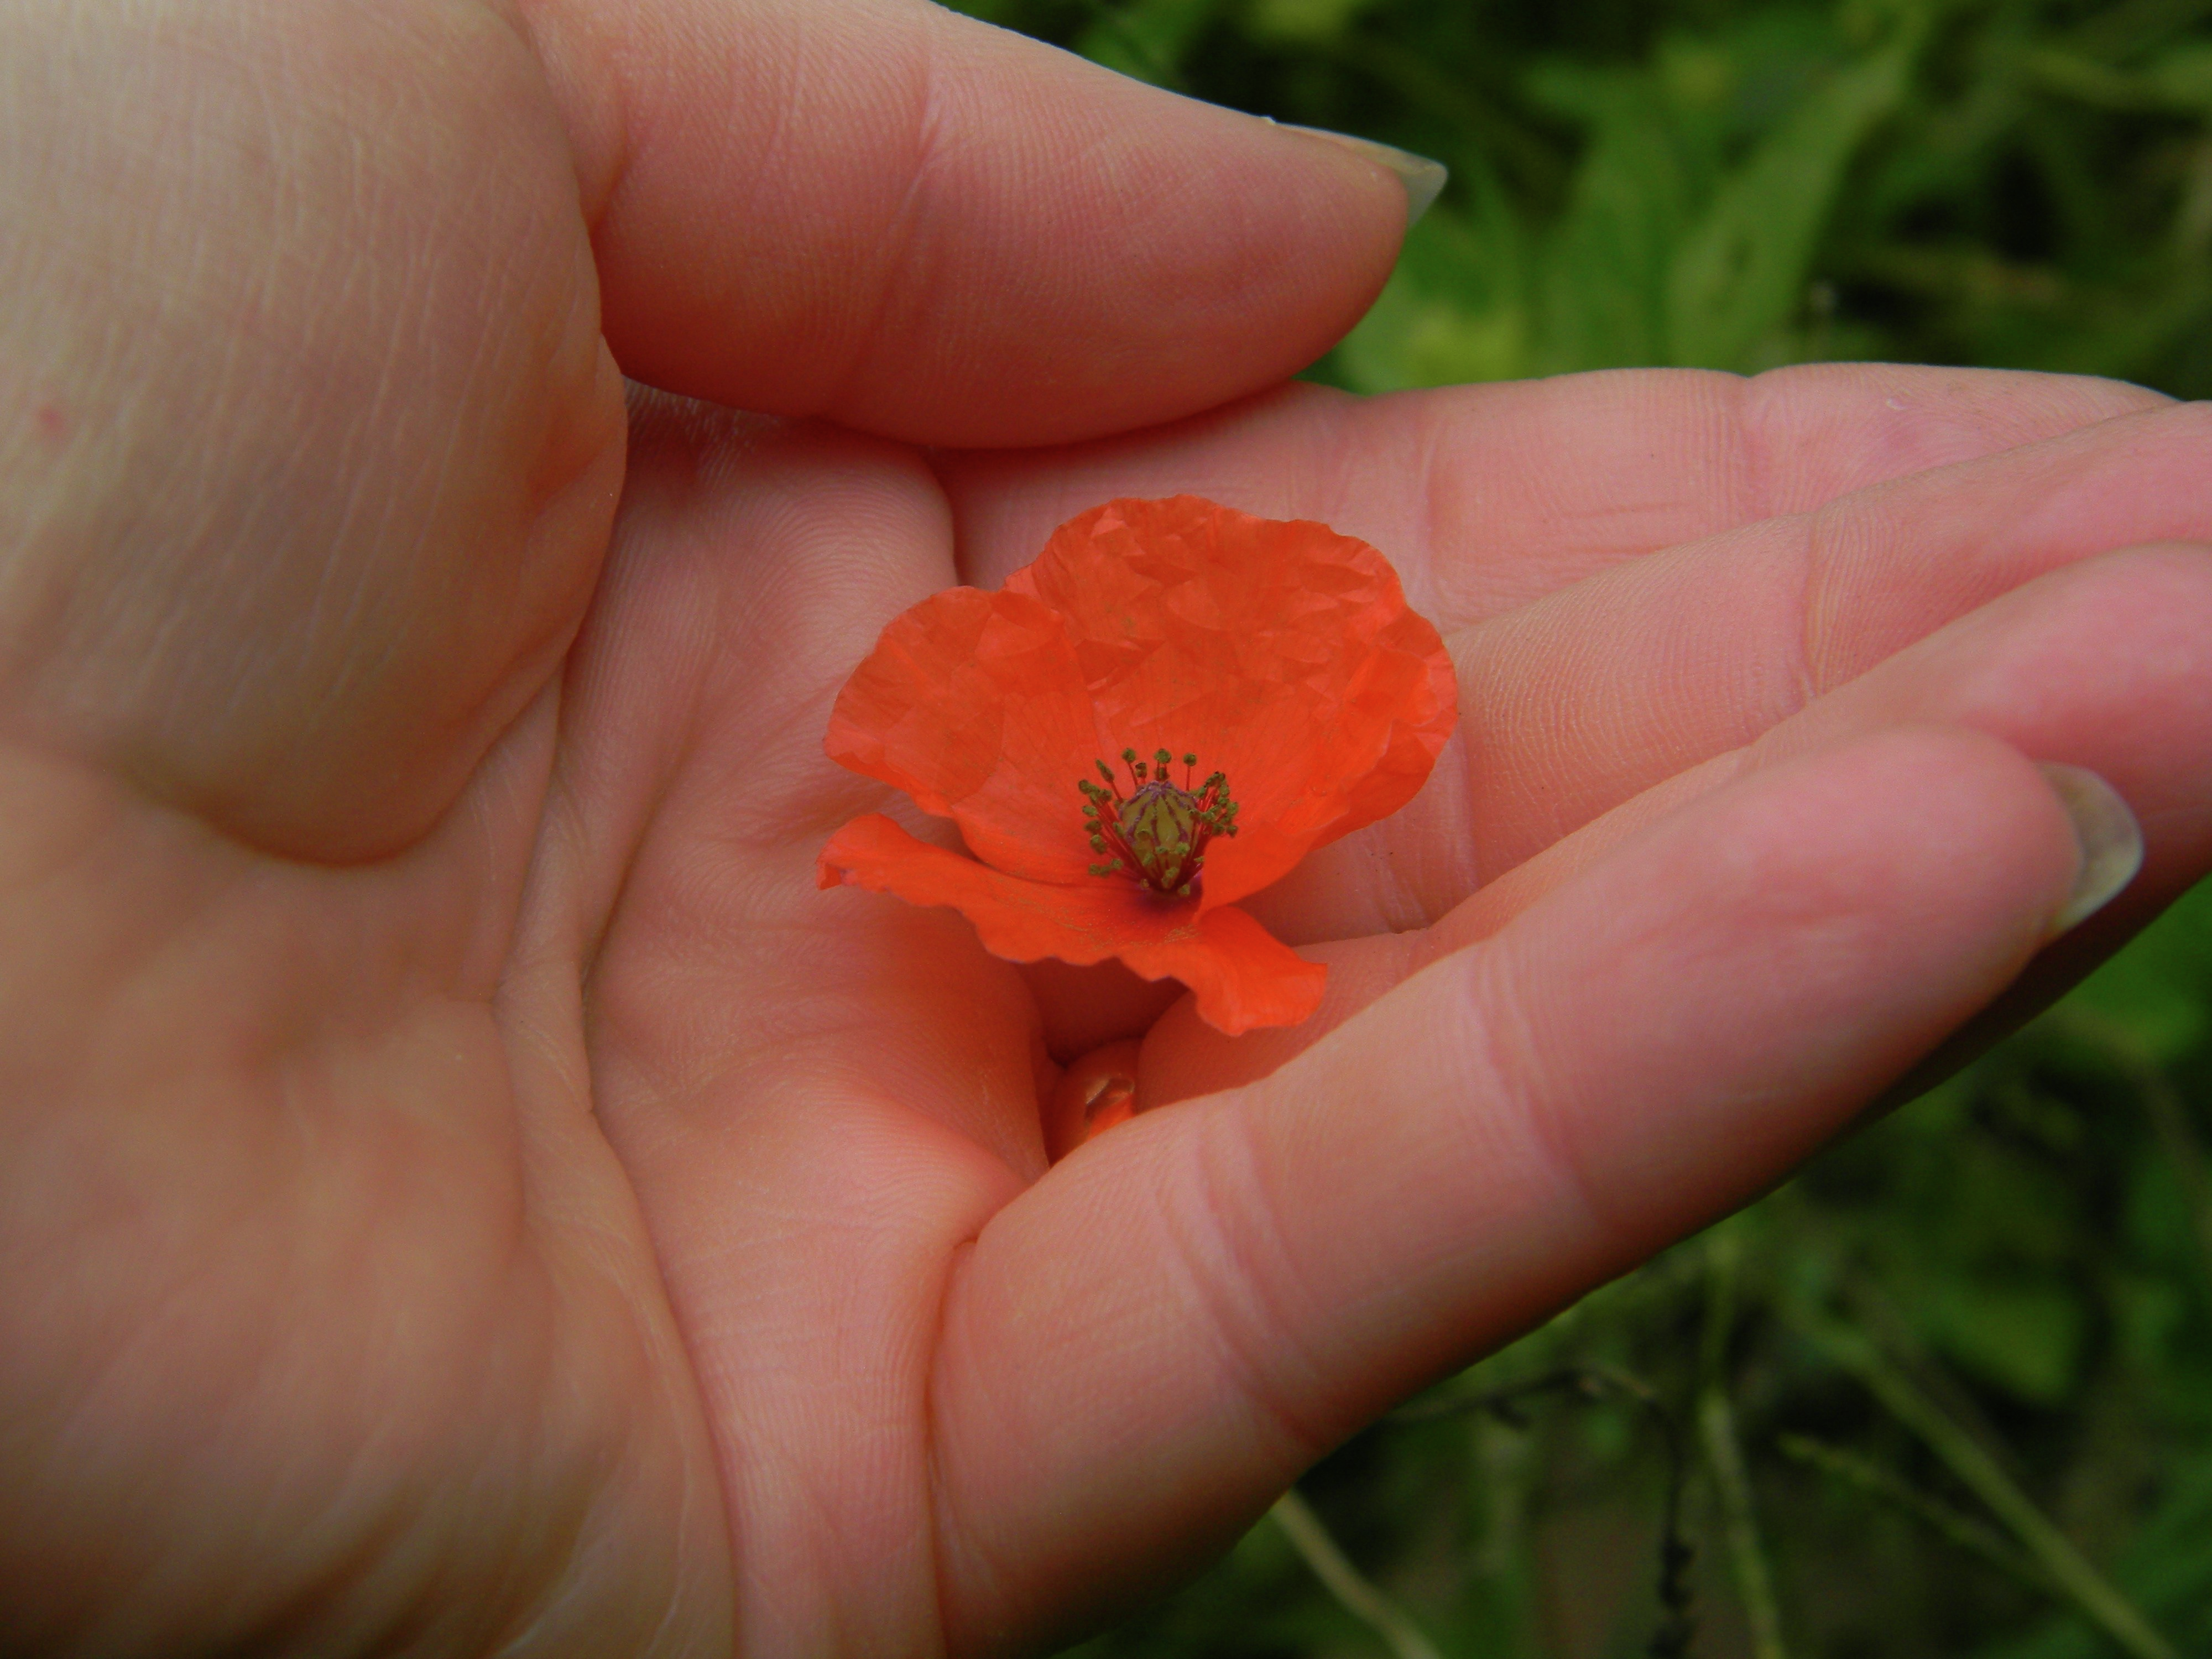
x: 1164, y: 713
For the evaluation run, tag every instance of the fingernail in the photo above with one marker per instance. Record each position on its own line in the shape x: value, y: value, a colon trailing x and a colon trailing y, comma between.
x: 2110, y: 838
x: 1421, y: 177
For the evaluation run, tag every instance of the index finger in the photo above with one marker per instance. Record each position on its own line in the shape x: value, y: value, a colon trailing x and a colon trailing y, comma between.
x: 1145, y: 1347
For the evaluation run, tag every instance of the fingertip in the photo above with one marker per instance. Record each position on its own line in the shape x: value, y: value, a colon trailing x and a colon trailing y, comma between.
x: 1422, y: 179
x: 1714, y: 999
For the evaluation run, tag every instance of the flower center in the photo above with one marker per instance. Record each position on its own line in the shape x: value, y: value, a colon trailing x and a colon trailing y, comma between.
x: 1157, y: 833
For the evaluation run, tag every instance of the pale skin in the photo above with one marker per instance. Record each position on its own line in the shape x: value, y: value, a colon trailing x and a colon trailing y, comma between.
x: 464, y: 1189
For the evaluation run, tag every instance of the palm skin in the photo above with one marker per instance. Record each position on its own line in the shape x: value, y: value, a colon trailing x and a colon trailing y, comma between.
x: 466, y: 1187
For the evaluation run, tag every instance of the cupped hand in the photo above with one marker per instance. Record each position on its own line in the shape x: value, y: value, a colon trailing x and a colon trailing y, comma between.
x: 465, y: 1190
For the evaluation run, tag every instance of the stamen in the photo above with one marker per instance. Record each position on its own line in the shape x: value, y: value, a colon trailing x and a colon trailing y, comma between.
x: 1158, y: 834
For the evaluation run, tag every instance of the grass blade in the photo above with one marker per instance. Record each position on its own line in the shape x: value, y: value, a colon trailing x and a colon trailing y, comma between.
x: 2070, y: 1571
x: 1755, y: 1584
x: 1353, y: 1589
x: 1863, y: 1474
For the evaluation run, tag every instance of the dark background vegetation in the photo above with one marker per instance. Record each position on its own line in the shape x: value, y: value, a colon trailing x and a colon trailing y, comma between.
x: 1950, y: 1391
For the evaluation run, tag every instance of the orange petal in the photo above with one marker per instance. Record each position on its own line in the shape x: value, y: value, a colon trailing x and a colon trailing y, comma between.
x: 1280, y: 653
x: 974, y: 704
x: 1242, y: 975
x: 1094, y: 1094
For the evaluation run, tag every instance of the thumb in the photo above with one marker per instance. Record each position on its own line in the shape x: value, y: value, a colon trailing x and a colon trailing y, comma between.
x: 907, y: 222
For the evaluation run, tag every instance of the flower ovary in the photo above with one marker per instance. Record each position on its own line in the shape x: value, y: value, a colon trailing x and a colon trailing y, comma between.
x: 1157, y: 832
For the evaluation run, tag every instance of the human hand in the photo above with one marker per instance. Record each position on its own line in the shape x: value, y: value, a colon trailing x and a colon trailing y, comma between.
x: 466, y: 1187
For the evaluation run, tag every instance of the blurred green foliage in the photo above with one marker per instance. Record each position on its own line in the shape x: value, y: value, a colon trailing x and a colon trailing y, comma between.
x: 1950, y: 1391
x: 2018, y: 183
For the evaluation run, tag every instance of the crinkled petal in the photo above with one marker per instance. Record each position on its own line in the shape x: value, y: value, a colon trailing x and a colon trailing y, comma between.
x: 974, y: 703
x: 1280, y: 653
x: 1242, y: 975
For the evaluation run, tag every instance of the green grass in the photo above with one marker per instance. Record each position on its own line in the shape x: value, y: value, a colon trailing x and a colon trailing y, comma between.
x: 1950, y: 1391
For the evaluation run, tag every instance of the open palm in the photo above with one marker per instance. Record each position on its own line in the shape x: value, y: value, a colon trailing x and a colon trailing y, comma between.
x: 466, y: 1187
